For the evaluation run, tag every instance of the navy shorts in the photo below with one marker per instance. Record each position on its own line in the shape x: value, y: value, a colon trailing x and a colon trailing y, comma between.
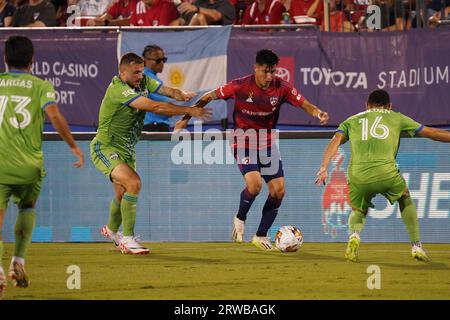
x: 266, y: 161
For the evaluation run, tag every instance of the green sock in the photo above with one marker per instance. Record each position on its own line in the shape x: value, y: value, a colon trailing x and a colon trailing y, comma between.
x: 115, y: 216
x: 409, y: 216
x: 356, y: 221
x: 128, y: 209
x: 23, y: 231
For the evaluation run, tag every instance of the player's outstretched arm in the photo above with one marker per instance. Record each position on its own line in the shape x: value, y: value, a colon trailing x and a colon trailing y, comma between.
x: 434, y: 134
x: 329, y: 152
x: 176, y: 94
x: 168, y: 109
x: 315, y: 112
x: 60, y: 124
x: 203, y: 101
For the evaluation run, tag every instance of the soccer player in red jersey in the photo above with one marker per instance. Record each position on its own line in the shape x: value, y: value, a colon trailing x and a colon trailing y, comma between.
x: 258, y: 98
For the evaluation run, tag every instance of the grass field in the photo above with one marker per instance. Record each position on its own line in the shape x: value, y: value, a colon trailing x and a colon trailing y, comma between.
x: 232, y: 271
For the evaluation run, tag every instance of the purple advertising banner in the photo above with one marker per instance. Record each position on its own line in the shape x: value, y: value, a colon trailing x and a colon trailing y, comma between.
x: 336, y: 71
x: 79, y: 65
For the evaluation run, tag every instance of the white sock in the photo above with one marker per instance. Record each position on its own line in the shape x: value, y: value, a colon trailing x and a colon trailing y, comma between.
x: 1, y: 270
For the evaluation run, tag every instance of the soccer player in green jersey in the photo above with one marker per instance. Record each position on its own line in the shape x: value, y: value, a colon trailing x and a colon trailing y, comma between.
x: 121, y: 119
x: 374, y: 137
x: 24, y: 99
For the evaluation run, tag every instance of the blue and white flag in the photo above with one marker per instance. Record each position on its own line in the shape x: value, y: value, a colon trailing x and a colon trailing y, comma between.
x: 197, y: 60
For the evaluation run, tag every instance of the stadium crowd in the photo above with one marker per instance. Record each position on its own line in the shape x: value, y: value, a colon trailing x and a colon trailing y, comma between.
x: 344, y: 15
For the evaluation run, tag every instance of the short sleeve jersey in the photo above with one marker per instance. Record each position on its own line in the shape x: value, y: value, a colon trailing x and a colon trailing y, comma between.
x: 23, y: 97
x: 255, y: 108
x: 120, y: 124
x: 374, y: 139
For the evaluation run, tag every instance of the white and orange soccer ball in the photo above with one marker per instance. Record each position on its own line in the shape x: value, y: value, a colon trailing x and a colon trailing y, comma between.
x: 288, y: 239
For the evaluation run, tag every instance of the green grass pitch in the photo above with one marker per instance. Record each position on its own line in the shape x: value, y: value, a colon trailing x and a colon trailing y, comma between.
x: 232, y: 271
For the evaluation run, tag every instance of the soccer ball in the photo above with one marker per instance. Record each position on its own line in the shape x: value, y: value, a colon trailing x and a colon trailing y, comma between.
x: 288, y: 239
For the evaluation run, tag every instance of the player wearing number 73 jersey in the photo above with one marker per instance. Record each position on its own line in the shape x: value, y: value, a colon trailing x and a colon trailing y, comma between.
x: 24, y: 99
x: 374, y: 137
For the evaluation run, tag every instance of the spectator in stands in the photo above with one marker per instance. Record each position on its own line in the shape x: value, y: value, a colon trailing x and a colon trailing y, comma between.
x: 6, y: 13
x: 154, y: 13
x: 264, y: 12
x: 38, y: 13
x: 338, y: 19
x: 310, y: 8
x: 19, y: 3
x: 393, y: 14
x: 434, y: 11
x: 206, y: 12
x: 93, y: 8
x: 61, y: 7
x: 118, y: 14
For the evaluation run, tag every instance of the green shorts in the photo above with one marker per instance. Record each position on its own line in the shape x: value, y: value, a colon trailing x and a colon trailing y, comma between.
x: 361, y: 195
x: 106, y: 158
x: 22, y: 194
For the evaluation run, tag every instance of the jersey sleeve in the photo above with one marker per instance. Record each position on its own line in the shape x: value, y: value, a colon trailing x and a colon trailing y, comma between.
x: 47, y: 95
x: 226, y: 91
x: 152, y: 85
x: 292, y: 96
x: 410, y: 126
x: 343, y: 128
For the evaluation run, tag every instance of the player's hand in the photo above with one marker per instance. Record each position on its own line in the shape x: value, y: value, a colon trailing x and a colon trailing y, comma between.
x: 180, y: 125
x: 321, y: 176
x: 188, y: 95
x: 201, y: 113
x: 79, y: 154
x: 323, y: 117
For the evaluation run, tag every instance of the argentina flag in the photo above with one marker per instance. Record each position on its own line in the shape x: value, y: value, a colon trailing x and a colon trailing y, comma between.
x: 197, y: 60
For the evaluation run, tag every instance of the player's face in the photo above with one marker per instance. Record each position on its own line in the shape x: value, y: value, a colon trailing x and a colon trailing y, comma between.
x: 264, y: 75
x: 155, y: 61
x: 133, y: 74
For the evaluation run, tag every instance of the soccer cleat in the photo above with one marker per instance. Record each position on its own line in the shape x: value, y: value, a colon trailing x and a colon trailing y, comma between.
x: 419, y: 254
x: 113, y: 236
x: 237, y: 235
x: 263, y: 243
x: 351, y: 253
x: 18, y: 275
x: 2, y: 284
x: 129, y: 245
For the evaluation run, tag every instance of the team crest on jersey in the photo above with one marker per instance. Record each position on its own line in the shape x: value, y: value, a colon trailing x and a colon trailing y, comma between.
x: 250, y: 96
x: 273, y: 100
x: 113, y: 156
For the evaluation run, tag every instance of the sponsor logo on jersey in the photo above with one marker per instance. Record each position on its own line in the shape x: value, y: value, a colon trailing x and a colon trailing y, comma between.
x: 113, y: 156
x: 250, y: 96
x: 51, y: 95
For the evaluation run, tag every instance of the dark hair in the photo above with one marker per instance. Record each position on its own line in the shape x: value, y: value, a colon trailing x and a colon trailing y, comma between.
x: 130, y: 58
x: 267, y: 57
x: 378, y: 98
x: 150, y: 48
x: 19, y: 52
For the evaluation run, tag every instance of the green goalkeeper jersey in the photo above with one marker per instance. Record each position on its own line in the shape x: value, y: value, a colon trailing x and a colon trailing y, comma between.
x: 23, y: 98
x: 374, y: 139
x: 119, y: 124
